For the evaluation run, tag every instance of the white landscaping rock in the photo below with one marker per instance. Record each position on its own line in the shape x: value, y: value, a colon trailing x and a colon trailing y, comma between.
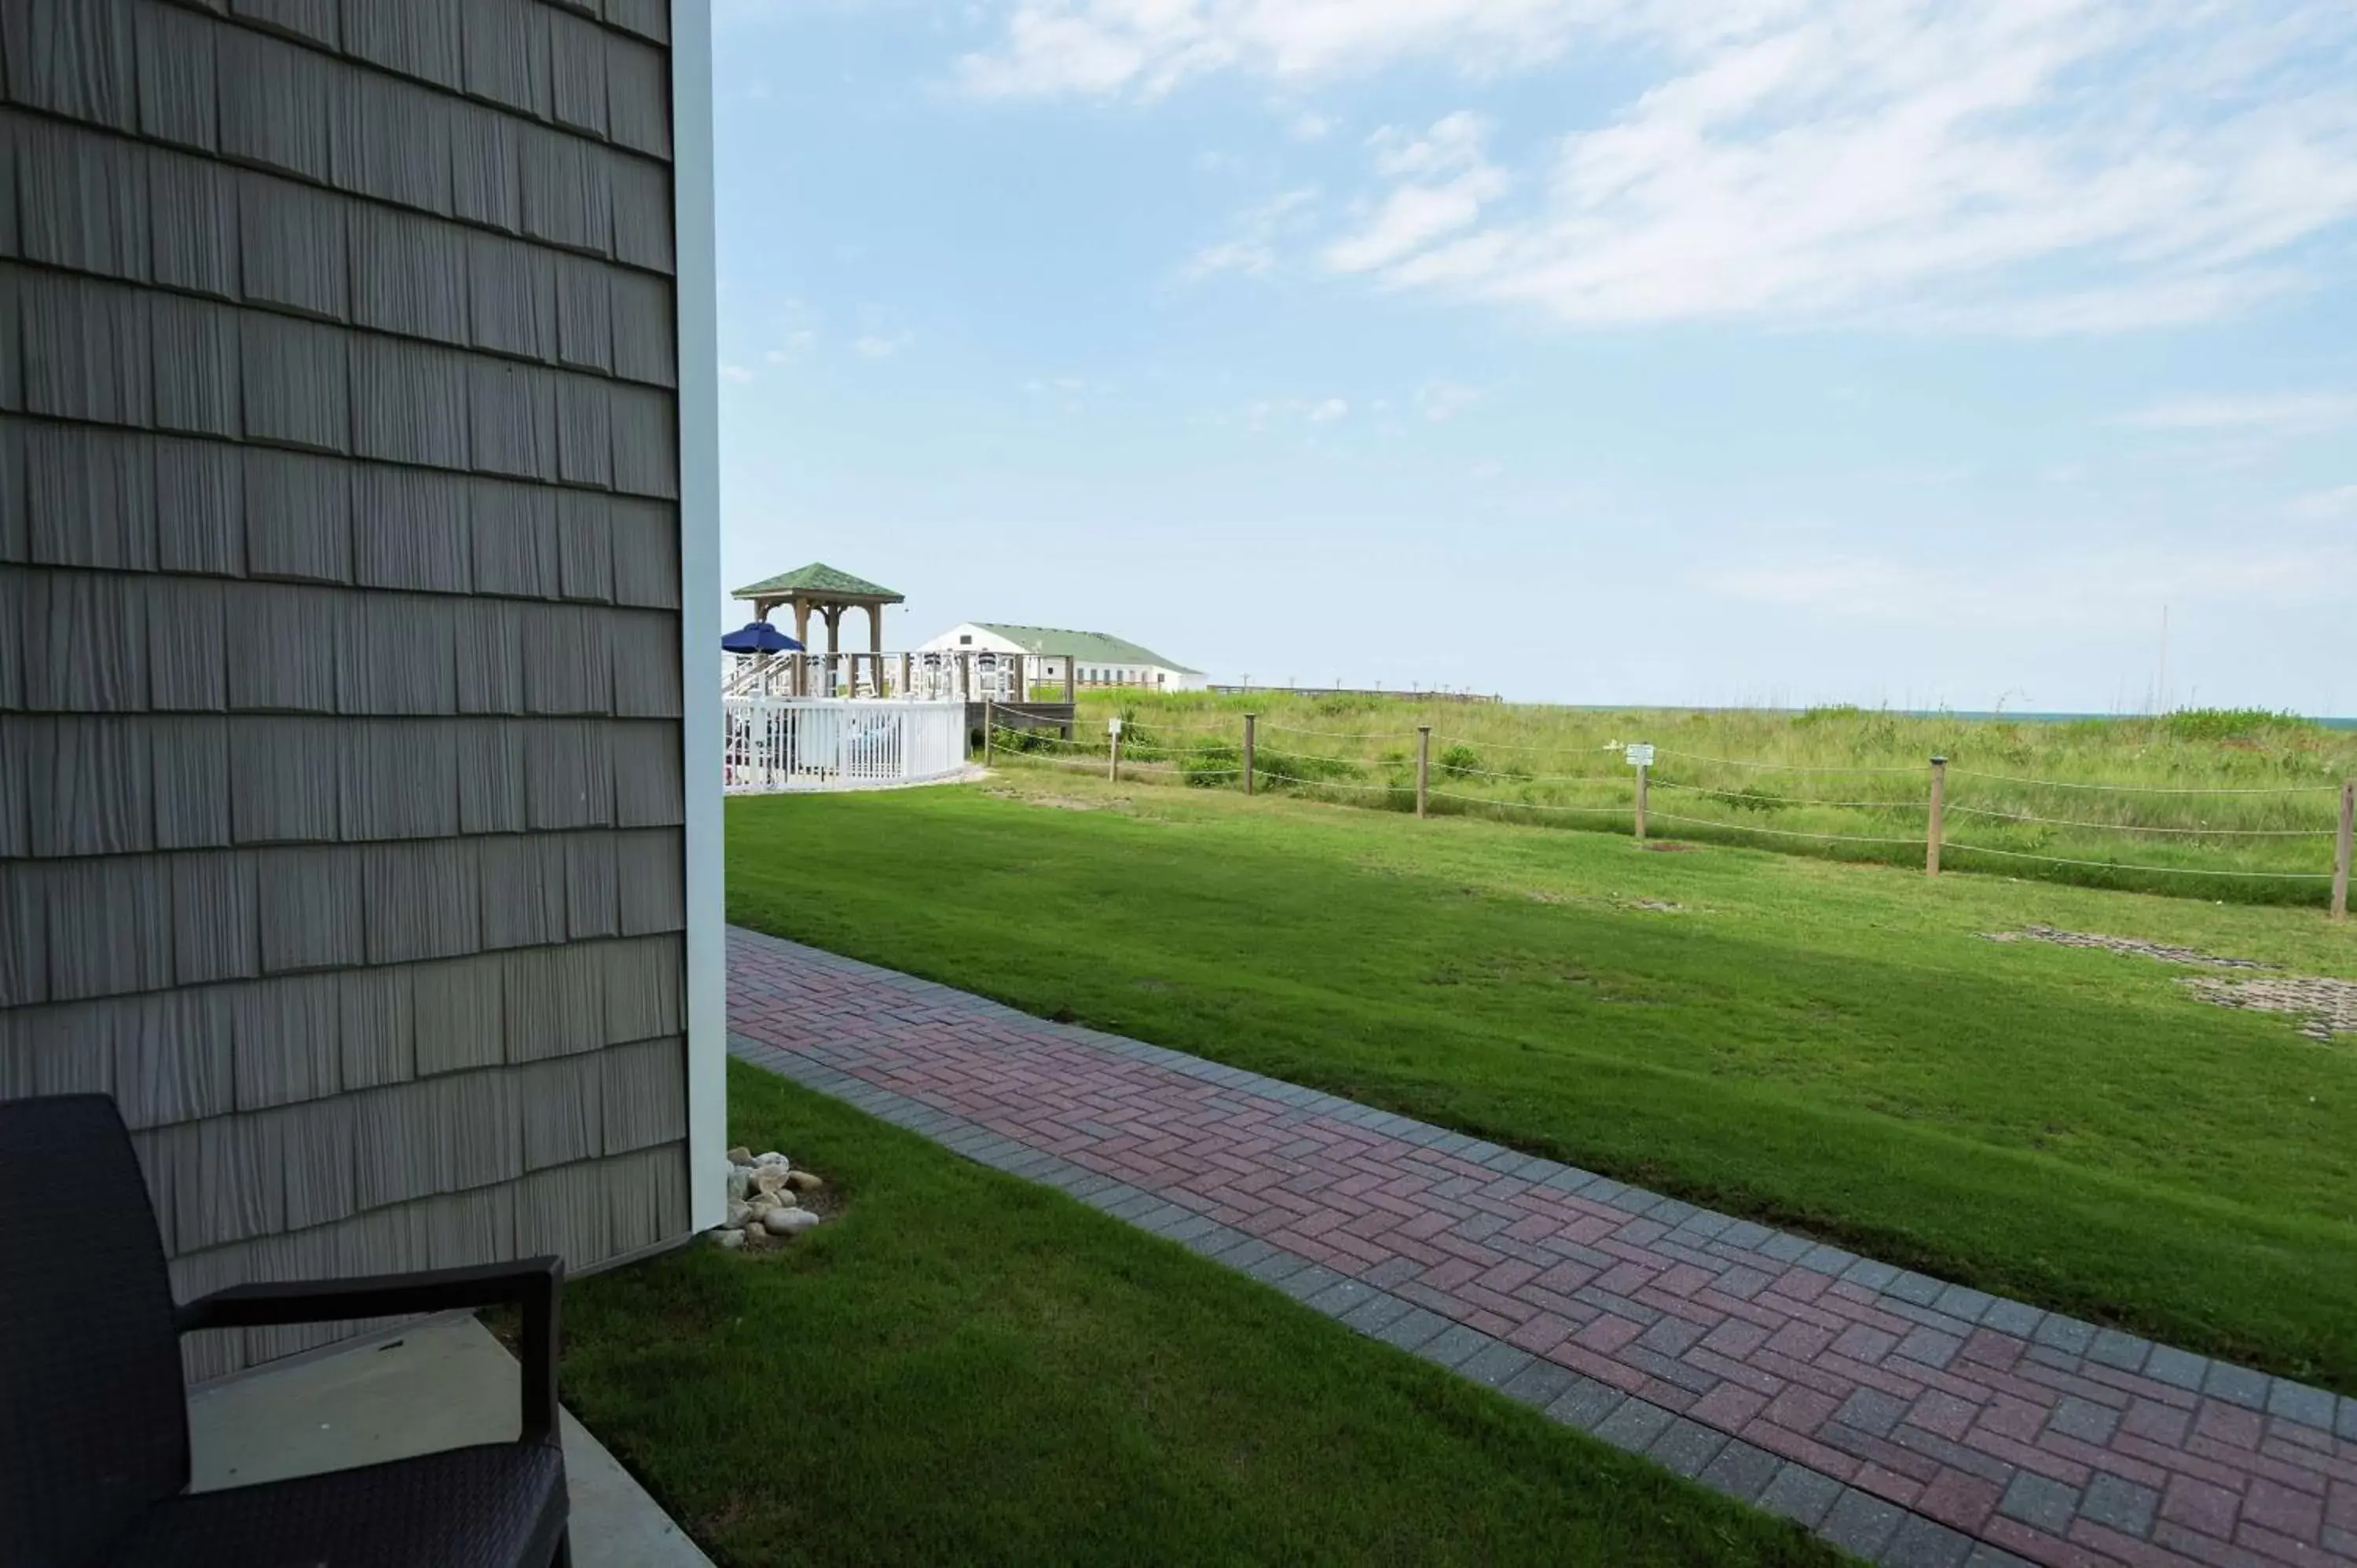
x: 789, y: 1221
x: 740, y: 1182
x: 770, y: 1179
x: 804, y: 1181
x: 729, y: 1238
x: 740, y: 1155
x: 771, y: 1158
x: 739, y: 1215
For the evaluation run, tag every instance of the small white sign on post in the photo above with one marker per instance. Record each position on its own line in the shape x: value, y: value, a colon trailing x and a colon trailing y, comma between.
x: 1113, y: 726
x: 1640, y: 754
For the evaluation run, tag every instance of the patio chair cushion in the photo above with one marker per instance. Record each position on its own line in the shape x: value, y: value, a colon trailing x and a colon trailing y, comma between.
x: 500, y: 1505
x: 92, y: 1429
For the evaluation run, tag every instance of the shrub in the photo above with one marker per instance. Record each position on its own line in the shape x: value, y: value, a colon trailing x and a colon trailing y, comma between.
x: 1212, y: 764
x: 1459, y: 760
x: 2226, y: 723
x: 1282, y: 767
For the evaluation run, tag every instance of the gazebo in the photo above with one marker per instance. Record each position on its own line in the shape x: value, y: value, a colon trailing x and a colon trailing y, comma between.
x: 820, y: 587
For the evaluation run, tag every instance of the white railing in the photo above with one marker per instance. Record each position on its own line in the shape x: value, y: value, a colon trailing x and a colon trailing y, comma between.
x: 814, y: 743
x: 939, y: 677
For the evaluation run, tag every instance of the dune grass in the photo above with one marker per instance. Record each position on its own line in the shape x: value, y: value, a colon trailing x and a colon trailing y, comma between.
x: 1840, y: 782
x: 963, y: 1368
x: 1833, y: 1047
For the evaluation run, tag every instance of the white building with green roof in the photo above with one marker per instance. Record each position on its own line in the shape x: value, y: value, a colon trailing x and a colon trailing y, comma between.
x: 1092, y: 658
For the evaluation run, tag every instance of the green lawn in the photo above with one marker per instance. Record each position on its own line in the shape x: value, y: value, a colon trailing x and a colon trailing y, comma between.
x: 963, y: 1368
x: 1835, y: 1047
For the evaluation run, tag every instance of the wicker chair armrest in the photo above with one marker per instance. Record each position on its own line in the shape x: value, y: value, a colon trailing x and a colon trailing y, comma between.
x: 534, y: 1283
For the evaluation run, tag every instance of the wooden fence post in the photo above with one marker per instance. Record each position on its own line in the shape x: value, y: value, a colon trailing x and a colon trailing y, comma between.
x: 1250, y: 724
x: 1938, y: 821
x: 989, y: 730
x: 1422, y: 767
x: 1112, y: 767
x: 1069, y: 684
x: 2341, y: 855
x: 1644, y: 777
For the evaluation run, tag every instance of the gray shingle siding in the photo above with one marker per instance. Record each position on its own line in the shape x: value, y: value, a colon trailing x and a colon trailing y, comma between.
x: 340, y: 790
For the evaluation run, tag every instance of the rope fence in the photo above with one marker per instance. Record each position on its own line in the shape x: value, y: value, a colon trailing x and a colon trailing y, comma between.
x: 2158, y: 870
x: 2146, y: 828
x: 2069, y: 843
x: 1746, y: 797
x: 1778, y: 767
x: 2149, y: 789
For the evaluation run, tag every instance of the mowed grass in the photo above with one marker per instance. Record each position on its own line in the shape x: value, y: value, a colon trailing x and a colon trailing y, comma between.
x: 963, y: 1368
x: 1833, y: 1047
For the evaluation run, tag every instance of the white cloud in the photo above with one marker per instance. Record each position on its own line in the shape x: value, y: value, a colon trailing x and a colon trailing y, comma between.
x: 736, y: 373
x: 876, y: 346
x: 1252, y: 249
x: 1269, y: 411
x: 2016, y: 166
x: 796, y: 345
x: 2326, y: 506
x: 1444, y: 179
x: 1069, y: 394
x: 2290, y: 414
x: 1311, y: 126
x: 1149, y: 46
x: 1440, y: 401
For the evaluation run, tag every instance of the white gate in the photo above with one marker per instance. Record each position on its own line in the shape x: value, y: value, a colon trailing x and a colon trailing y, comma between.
x: 813, y: 743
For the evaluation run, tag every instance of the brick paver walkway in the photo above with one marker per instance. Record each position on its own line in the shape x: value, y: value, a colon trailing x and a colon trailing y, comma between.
x: 1912, y: 1422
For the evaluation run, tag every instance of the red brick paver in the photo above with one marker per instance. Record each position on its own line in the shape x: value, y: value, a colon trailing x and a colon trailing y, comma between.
x: 2034, y: 1433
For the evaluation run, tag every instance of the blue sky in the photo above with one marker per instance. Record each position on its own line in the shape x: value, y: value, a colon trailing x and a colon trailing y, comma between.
x: 1887, y: 351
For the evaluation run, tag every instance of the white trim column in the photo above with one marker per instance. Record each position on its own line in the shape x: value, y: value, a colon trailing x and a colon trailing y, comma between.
x: 699, y: 598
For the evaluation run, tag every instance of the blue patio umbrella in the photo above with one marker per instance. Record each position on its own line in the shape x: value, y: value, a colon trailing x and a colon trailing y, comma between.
x: 759, y: 637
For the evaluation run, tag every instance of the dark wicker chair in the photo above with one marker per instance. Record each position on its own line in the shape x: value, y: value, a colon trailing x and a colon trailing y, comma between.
x: 94, y: 1421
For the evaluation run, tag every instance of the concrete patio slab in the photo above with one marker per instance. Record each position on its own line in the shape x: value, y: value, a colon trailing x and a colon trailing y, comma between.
x: 440, y: 1384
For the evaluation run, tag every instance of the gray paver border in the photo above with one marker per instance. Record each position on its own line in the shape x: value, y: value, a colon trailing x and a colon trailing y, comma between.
x: 1684, y: 1447
x: 1948, y: 1312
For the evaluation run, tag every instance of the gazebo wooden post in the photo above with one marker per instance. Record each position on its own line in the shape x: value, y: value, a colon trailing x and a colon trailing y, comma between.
x: 821, y: 592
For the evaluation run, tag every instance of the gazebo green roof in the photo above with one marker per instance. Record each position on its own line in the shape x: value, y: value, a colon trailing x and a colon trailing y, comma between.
x: 818, y: 580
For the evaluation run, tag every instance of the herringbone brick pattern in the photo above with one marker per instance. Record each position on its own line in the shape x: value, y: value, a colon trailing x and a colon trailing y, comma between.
x: 1911, y: 1421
